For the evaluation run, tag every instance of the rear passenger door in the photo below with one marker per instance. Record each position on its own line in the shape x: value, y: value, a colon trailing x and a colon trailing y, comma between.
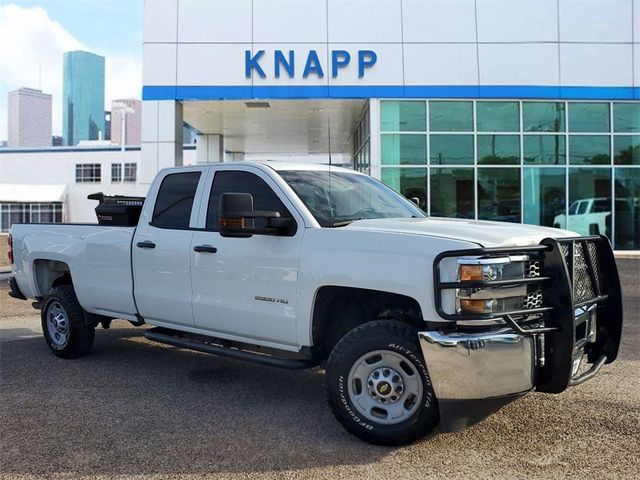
x: 161, y: 249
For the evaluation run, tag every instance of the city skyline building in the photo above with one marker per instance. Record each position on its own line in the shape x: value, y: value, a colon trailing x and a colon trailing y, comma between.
x: 28, y: 118
x: 83, y: 97
x: 133, y: 121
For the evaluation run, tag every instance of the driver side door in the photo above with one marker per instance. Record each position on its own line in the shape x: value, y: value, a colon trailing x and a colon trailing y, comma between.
x: 245, y: 288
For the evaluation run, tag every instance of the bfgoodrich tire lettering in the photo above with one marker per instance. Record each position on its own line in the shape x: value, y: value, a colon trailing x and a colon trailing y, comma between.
x: 392, y: 347
x: 63, y: 324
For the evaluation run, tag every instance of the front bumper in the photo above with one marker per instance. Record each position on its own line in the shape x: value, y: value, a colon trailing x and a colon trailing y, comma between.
x: 475, y: 374
x: 499, y: 361
x: 478, y: 365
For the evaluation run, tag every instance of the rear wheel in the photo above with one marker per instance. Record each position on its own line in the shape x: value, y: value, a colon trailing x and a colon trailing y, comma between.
x: 63, y: 324
x: 378, y: 386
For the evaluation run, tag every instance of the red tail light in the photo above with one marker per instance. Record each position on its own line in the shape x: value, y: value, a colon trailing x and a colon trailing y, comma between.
x: 10, y: 251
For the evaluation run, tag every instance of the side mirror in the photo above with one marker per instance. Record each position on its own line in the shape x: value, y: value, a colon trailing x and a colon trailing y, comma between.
x: 237, y: 217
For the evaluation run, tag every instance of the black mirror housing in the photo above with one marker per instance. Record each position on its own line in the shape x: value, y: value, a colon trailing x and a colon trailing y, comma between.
x: 237, y: 217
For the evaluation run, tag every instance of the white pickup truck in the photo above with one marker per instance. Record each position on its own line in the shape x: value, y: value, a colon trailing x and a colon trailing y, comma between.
x: 592, y: 216
x: 417, y: 321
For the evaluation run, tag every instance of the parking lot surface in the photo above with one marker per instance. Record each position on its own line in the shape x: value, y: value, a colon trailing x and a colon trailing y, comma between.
x: 134, y: 409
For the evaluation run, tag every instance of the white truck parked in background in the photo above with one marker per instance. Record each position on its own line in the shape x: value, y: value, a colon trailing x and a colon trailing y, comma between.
x: 592, y: 216
x: 418, y: 321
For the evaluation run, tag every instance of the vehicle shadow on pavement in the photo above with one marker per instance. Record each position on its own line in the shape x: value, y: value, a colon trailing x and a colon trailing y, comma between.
x: 134, y: 407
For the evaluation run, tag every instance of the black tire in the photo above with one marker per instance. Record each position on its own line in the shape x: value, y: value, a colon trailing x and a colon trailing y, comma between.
x: 386, y: 335
x: 79, y: 336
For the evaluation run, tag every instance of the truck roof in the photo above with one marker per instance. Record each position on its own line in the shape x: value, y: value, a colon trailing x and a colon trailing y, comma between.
x: 280, y: 166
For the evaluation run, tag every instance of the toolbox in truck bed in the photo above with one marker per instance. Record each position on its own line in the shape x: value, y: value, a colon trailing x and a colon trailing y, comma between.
x: 117, y: 210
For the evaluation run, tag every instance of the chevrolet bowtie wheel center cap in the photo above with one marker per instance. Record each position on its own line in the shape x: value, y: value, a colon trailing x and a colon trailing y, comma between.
x: 385, y: 385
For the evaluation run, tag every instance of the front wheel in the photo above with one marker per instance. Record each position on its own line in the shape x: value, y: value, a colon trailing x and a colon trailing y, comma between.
x: 63, y: 324
x: 378, y: 386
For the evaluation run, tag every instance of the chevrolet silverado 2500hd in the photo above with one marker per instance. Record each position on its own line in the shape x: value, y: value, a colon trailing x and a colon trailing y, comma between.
x: 418, y: 321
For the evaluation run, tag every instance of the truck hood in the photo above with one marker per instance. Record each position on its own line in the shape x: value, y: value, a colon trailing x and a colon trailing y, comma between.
x: 482, y: 232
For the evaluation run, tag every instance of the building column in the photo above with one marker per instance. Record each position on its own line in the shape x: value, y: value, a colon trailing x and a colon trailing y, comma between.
x: 209, y: 148
x: 161, y: 137
x: 374, y: 138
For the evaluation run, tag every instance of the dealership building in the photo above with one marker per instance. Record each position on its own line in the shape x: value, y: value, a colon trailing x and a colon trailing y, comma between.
x: 520, y: 111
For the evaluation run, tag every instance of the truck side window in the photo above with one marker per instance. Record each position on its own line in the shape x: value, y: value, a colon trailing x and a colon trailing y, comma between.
x: 573, y: 208
x: 264, y: 198
x: 583, y: 207
x: 175, y: 199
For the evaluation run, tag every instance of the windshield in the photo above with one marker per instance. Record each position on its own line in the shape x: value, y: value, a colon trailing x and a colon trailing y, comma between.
x: 336, y: 199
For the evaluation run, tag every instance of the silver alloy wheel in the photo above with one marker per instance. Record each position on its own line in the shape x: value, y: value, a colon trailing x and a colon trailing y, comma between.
x: 57, y: 324
x: 385, y: 387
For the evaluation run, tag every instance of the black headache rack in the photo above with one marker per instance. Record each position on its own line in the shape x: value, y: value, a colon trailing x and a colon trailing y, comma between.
x: 573, y: 277
x: 117, y: 210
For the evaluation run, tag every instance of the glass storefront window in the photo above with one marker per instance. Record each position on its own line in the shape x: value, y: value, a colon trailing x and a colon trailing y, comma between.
x: 544, y: 197
x: 626, y: 149
x: 499, y: 194
x: 498, y: 116
x: 498, y: 149
x: 590, y: 201
x: 588, y: 117
x: 452, y: 192
x: 404, y: 149
x: 403, y: 116
x: 589, y: 150
x: 543, y: 116
x: 626, y: 117
x: 451, y: 116
x: 627, y: 208
x: 511, y: 156
x: 451, y: 149
x: 544, y: 150
x: 410, y: 182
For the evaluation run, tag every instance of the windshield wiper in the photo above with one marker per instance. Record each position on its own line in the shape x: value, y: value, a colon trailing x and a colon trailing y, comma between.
x: 344, y: 223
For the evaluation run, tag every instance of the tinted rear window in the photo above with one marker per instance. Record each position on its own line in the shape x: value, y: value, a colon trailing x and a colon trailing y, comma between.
x: 175, y: 199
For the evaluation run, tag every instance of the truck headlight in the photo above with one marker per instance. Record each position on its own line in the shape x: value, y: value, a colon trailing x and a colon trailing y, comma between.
x: 496, y: 299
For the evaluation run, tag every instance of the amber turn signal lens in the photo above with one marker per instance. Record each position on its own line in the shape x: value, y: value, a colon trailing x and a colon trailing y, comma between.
x: 231, y: 222
x: 469, y: 273
x: 475, y: 306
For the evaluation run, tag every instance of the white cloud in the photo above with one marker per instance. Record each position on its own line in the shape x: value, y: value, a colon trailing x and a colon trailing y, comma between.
x: 123, y: 78
x: 31, y: 54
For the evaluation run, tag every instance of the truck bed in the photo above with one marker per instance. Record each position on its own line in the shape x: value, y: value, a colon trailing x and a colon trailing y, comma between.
x: 98, y: 257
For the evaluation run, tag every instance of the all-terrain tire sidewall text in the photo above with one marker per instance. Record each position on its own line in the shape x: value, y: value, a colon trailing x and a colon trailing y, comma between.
x: 392, y: 336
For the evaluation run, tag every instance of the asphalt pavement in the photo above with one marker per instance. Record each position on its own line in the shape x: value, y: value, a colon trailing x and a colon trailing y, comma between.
x: 135, y: 409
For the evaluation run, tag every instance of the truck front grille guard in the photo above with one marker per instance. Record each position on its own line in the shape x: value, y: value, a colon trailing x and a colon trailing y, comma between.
x: 572, y: 274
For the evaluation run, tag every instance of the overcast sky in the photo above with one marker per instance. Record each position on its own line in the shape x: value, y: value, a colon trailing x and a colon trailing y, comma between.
x: 35, y: 34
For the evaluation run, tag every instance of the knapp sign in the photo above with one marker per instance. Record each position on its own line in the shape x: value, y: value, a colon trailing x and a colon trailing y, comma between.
x: 288, y: 64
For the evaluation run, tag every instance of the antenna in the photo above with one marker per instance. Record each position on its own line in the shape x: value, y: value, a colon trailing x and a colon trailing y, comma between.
x: 330, y: 195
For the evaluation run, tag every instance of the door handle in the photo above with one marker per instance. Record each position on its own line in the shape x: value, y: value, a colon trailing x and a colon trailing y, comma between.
x: 205, y: 249
x: 146, y: 244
